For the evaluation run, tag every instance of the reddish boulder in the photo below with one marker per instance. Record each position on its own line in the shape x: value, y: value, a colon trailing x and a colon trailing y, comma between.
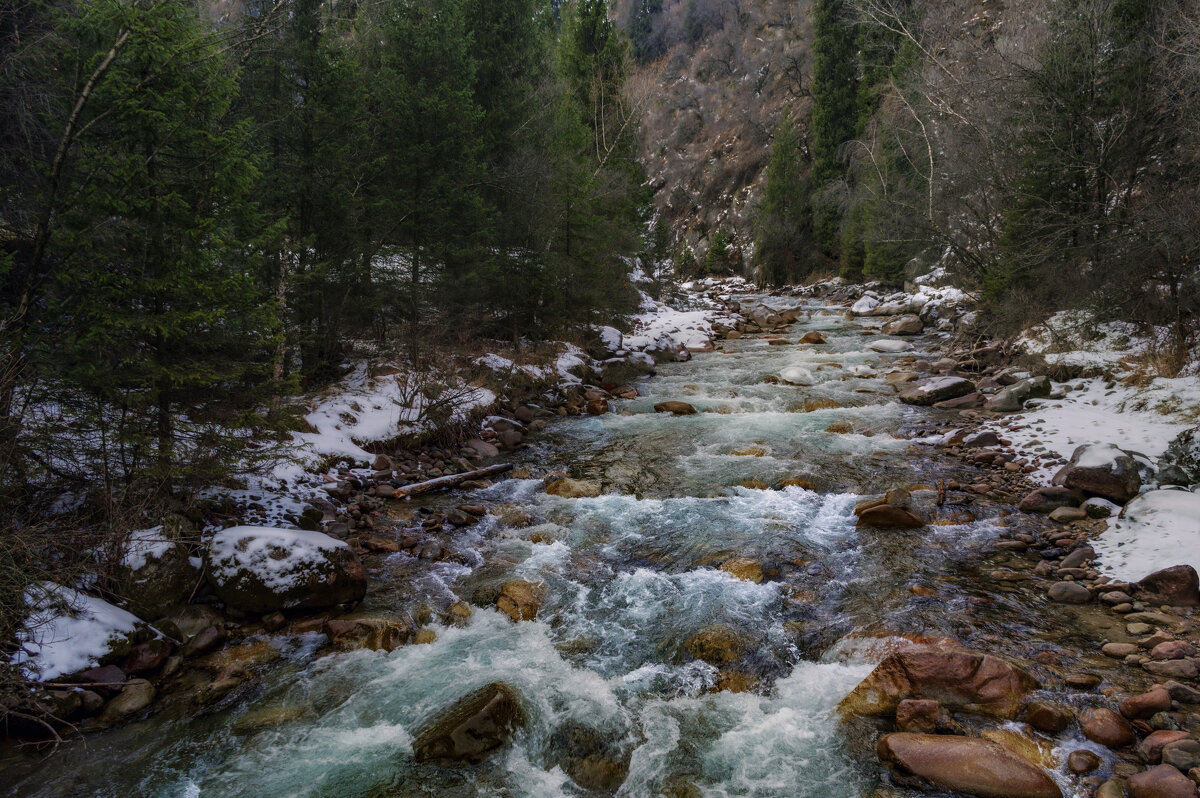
x: 1102, y: 725
x: 1047, y: 717
x: 885, y: 516
x: 1142, y: 707
x: 1151, y: 748
x: 1177, y: 586
x: 918, y: 715
x: 1163, y: 781
x: 963, y: 764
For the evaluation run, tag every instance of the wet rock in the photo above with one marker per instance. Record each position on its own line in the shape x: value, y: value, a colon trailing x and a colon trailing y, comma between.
x: 1078, y: 557
x: 1069, y: 593
x: 1141, y: 707
x: 1177, y: 586
x: 959, y: 679
x: 887, y: 516
x: 1183, y: 755
x: 1083, y: 761
x: 1065, y: 515
x: 596, y: 407
x: 482, y: 448
x: 207, y: 639
x: 519, y: 600
x: 374, y: 634
x: 918, y: 715
x: 147, y: 657
x: 969, y: 401
x: 1047, y: 717
x: 1173, y: 649
x: 907, y: 324
x: 1113, y: 788
x: 675, y: 408
x: 228, y: 679
x: 472, y: 727
x: 1163, y: 781
x: 890, y: 346
x: 261, y: 570
x: 590, y: 757
x: 1038, y: 752
x: 157, y: 571
x: 812, y: 337
x: 574, y: 488
x: 812, y: 405
x: 963, y: 764
x: 1150, y: 749
x: 1184, y: 694
x: 1045, y: 500
x: 937, y: 389
x: 1102, y: 725
x: 717, y: 645
x: 744, y: 568
x: 133, y: 698
x: 1103, y: 470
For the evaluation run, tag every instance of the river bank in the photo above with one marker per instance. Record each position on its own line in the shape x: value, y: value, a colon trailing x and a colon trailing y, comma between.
x: 678, y: 601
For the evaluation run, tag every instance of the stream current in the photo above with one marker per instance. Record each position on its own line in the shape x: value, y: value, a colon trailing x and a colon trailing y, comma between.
x: 616, y: 702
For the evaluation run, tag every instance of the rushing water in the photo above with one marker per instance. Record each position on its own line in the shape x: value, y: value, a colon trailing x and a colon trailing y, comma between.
x: 614, y: 699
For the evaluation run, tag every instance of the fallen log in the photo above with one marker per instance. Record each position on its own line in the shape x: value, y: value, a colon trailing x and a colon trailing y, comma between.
x: 449, y: 481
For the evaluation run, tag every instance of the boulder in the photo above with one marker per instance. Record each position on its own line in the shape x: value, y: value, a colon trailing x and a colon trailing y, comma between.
x: 574, y: 488
x: 812, y: 337
x: 1065, y: 515
x: 1163, y: 781
x: 1048, y: 717
x: 959, y: 679
x: 1101, y: 469
x: 918, y: 715
x: 1150, y: 749
x: 1045, y: 500
x: 1183, y: 457
x: 263, y: 569
x: 482, y: 448
x: 1141, y: 707
x: 1177, y: 586
x: 963, y: 764
x: 156, y: 569
x: 1069, y: 593
x: 473, y: 727
x: 890, y: 346
x: 937, y: 389
x: 133, y: 698
x: 1182, y: 754
x: 675, y: 408
x: 373, y: 634
x: 886, y: 516
x: 744, y: 568
x: 1102, y: 725
x: 520, y: 600
x: 908, y: 324
x: 717, y: 645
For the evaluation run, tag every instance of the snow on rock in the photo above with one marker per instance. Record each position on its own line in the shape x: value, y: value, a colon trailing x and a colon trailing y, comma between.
x: 864, y: 306
x: 145, y: 545
x: 665, y: 329
x: 1100, y: 455
x: 890, y: 345
x: 263, y: 569
x: 610, y: 337
x: 1158, y: 529
x: 797, y: 375
x: 67, y: 631
x: 156, y: 571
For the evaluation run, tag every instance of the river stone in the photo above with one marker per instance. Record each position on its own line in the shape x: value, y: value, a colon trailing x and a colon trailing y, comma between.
x: 1177, y: 586
x: 812, y: 337
x: 1078, y: 556
x: 887, y: 516
x: 1048, y: 499
x: 744, y: 568
x: 908, y: 324
x: 1163, y: 781
x: 519, y: 600
x: 1069, y: 593
x: 1048, y: 717
x: 373, y: 634
x: 261, y: 570
x: 675, y: 408
x: 959, y: 679
x: 472, y: 727
x: 1173, y: 668
x: 1118, y: 650
x: 937, y: 389
x: 1173, y: 649
x: 717, y: 645
x: 1143, y: 706
x: 890, y: 345
x: 1102, y: 725
x: 1182, y: 755
x: 147, y: 657
x: 574, y: 488
x: 963, y: 764
x: 157, y: 571
x: 1101, y: 469
x: 1037, y: 752
x: 1065, y: 515
x: 1083, y: 761
x: 1150, y: 749
x: 482, y: 448
x: 918, y: 715
x: 133, y: 698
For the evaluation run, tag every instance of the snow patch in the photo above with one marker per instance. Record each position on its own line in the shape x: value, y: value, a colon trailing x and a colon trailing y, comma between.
x: 67, y: 631
x: 1158, y: 529
x: 280, y: 558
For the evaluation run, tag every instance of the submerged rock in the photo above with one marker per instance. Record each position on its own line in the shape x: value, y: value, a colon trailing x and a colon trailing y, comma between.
x: 717, y: 645
x: 472, y: 727
x: 959, y: 679
x: 574, y: 488
x: 963, y: 764
x: 675, y: 408
x: 519, y: 600
x: 886, y: 516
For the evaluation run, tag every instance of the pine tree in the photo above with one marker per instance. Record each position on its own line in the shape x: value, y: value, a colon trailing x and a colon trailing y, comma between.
x: 834, y: 88
x: 784, y: 249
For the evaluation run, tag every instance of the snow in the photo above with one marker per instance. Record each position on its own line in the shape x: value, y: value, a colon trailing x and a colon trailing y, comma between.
x: 1099, y: 455
x: 796, y: 375
x: 864, y: 306
x: 938, y: 383
x: 145, y: 545
x: 890, y: 345
x: 67, y: 631
x: 666, y: 329
x: 610, y: 337
x: 280, y: 558
x: 1159, y: 529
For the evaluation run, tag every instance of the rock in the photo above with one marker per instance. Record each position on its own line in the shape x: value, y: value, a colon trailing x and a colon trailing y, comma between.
x: 890, y: 346
x: 1048, y: 717
x: 1173, y: 649
x: 1141, y: 707
x: 812, y: 337
x: 156, y: 570
x: 262, y: 569
x: 133, y: 698
x: 597, y: 407
x: 374, y: 634
x: 1183, y: 457
x: 1177, y: 586
x: 970, y: 401
x: 1182, y: 693
x: 937, y: 389
x: 812, y: 405
x: 1065, y: 515
x: 1118, y: 650
x: 1173, y: 668
x: 959, y: 679
x: 1045, y: 500
x: 1069, y: 593
x: 1078, y: 556
x: 1183, y: 755
x: 963, y: 764
x: 147, y: 657
x: 907, y: 324
x: 1150, y: 749
x: 1083, y: 761
x: 1102, y: 725
x: 675, y: 408
x: 204, y: 641
x: 574, y: 488
x: 984, y: 439
x: 886, y: 516
x: 744, y: 568
x: 482, y: 448
x: 1101, y: 469
x: 1037, y: 752
x: 520, y: 600
x: 796, y: 375
x: 717, y: 645
x: 1113, y: 788
x: 1163, y: 781
x: 918, y: 715
x: 472, y: 727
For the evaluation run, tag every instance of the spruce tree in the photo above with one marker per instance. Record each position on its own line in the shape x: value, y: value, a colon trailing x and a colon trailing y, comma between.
x: 784, y: 249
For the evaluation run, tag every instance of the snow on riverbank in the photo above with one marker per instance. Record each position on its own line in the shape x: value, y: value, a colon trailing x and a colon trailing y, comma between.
x: 1159, y: 529
x: 67, y: 631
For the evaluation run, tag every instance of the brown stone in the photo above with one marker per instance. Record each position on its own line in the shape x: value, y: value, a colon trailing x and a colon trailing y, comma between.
x: 1082, y: 761
x: 374, y: 634
x: 1171, y: 649
x: 959, y: 679
x: 1048, y: 717
x: 1177, y: 586
x: 519, y: 600
x: 675, y: 408
x: 744, y: 568
x: 886, y: 516
x: 597, y: 407
x: 147, y: 657
x: 963, y: 764
x: 472, y: 728
x: 574, y: 488
x: 1151, y: 748
x: 1141, y: 707
x: 918, y: 715
x: 717, y: 645
x: 812, y: 337
x: 1173, y: 668
x: 133, y: 698
x: 1163, y: 781
x: 1102, y: 725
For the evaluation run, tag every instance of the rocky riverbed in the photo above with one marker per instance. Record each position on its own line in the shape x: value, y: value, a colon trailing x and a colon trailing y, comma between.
x: 808, y: 561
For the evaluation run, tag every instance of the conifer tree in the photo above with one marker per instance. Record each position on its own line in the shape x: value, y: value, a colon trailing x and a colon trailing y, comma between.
x: 784, y: 249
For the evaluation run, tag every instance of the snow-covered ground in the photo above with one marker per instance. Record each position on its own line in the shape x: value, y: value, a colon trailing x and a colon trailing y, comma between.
x: 1159, y: 529
x: 67, y: 631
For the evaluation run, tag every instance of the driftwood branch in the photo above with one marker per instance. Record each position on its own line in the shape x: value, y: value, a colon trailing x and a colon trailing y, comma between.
x: 449, y: 481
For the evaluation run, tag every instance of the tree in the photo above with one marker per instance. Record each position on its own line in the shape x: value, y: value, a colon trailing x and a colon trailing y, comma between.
x: 784, y: 248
